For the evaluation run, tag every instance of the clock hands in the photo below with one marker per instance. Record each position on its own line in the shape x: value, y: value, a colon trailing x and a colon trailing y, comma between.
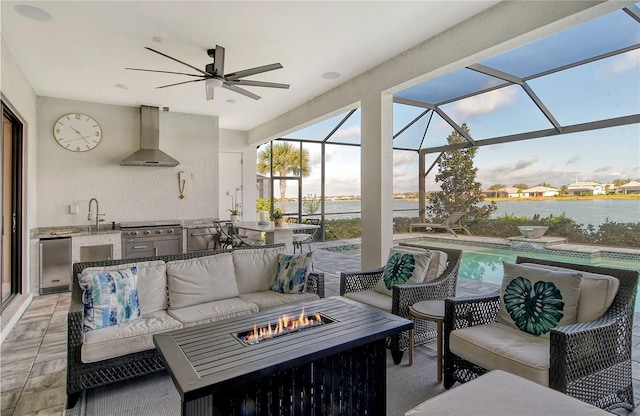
x: 80, y: 134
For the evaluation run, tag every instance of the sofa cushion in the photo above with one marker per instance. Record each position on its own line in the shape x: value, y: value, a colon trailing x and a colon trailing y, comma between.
x: 437, y: 265
x: 403, y: 266
x: 269, y: 299
x: 109, y: 297
x: 372, y: 298
x: 499, y: 346
x: 536, y: 300
x: 201, y: 280
x: 152, y: 284
x: 217, y: 310
x: 126, y: 338
x: 256, y: 269
x: 597, y: 292
x: 293, y: 271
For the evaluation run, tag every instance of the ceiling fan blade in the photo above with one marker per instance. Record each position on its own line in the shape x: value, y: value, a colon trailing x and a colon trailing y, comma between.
x: 164, y: 72
x: 253, y: 71
x: 241, y: 91
x: 180, y: 83
x: 177, y: 60
x: 250, y: 83
x: 218, y: 61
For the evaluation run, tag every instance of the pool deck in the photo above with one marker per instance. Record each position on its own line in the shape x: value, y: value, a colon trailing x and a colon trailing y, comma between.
x: 331, y: 263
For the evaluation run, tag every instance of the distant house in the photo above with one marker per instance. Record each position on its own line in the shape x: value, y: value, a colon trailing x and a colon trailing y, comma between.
x: 632, y: 187
x: 489, y: 193
x: 539, y: 191
x: 587, y: 188
x: 509, y: 192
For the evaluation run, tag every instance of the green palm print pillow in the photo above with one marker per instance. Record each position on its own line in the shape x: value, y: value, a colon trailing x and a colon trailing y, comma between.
x: 536, y: 300
x: 403, y: 266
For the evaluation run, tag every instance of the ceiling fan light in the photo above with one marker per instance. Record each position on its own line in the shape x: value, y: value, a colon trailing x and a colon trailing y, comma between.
x: 213, y: 83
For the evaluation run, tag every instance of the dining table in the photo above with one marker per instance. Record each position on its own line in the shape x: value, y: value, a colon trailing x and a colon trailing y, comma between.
x: 276, y: 234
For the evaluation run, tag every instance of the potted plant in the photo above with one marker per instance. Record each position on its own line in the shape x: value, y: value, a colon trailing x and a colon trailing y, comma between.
x: 235, y: 215
x: 277, y: 217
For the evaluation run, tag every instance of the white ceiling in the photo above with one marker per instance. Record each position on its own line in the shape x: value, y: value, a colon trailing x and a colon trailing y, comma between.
x: 82, y: 51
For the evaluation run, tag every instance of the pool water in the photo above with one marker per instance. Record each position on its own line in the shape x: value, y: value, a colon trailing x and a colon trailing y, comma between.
x: 485, y: 264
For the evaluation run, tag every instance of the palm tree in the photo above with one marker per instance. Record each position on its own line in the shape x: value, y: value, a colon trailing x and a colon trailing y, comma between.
x: 286, y: 160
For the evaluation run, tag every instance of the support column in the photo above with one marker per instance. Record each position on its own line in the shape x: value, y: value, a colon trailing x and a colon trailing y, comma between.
x: 377, y: 178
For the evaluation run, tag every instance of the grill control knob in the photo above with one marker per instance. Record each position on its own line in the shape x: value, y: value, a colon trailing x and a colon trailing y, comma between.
x: 133, y: 233
x: 170, y: 231
x: 158, y: 231
x: 147, y: 232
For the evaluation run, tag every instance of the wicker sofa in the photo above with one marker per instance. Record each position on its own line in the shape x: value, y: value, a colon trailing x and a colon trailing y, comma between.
x: 124, y: 351
x: 589, y: 360
x: 359, y: 286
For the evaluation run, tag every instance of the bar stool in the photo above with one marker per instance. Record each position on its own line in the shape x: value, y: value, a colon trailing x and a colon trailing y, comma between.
x: 429, y: 310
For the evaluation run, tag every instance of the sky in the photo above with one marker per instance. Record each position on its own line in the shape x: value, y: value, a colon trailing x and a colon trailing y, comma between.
x: 599, y: 90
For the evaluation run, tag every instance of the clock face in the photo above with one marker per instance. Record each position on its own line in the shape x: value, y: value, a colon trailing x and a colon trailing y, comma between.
x: 77, y: 132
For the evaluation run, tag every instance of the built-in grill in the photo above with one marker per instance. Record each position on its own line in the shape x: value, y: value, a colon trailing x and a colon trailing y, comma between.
x: 151, y: 238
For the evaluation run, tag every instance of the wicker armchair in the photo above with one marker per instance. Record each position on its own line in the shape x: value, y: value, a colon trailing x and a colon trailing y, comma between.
x: 83, y: 376
x: 590, y: 361
x: 406, y: 295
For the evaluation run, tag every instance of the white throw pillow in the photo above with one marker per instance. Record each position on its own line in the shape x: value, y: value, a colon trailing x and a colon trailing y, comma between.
x: 535, y: 300
x: 200, y: 280
x: 403, y: 266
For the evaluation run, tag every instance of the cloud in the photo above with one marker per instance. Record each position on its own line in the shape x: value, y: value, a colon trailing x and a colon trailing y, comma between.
x: 621, y: 64
x: 602, y: 169
x: 573, y: 160
x: 526, y: 162
x: 484, y: 103
x: 350, y: 132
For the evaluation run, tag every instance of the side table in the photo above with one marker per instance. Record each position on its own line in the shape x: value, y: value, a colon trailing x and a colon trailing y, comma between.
x: 429, y: 310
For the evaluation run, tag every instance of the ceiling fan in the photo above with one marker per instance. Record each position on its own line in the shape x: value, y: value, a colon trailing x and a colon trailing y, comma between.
x: 214, y: 76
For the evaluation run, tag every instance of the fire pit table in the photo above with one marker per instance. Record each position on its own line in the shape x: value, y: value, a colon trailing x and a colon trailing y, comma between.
x: 335, y: 366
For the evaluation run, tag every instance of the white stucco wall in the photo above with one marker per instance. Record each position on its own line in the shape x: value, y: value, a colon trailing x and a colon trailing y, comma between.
x: 126, y: 193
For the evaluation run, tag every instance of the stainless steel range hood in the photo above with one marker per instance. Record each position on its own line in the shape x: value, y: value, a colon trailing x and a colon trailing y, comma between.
x: 149, y: 153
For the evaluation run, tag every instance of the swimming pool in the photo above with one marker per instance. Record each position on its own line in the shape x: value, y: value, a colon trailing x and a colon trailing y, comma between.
x: 484, y: 264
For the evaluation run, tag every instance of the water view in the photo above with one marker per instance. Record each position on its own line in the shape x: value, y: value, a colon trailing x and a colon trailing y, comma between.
x: 593, y: 212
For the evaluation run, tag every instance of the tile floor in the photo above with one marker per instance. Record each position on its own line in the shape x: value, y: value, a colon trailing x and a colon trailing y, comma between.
x: 33, y: 356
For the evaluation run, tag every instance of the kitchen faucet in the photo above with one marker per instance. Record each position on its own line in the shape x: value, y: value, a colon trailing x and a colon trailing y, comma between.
x: 98, y: 220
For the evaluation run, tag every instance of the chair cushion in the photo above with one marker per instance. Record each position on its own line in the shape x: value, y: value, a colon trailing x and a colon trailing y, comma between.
x: 403, y: 266
x: 109, y: 297
x: 372, y: 298
x: 536, y: 300
x: 269, y: 299
x: 503, y: 347
x: 126, y: 338
x: 597, y: 292
x: 152, y: 284
x: 217, y: 310
x: 201, y: 280
x: 256, y: 269
x: 298, y: 238
x: 437, y: 265
x: 293, y: 270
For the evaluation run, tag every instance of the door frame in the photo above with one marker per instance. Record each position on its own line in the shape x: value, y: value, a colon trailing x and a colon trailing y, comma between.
x: 17, y: 158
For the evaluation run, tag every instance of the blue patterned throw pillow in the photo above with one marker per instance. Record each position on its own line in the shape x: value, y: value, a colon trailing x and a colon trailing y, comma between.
x: 293, y: 270
x: 403, y: 266
x: 536, y: 300
x: 109, y: 297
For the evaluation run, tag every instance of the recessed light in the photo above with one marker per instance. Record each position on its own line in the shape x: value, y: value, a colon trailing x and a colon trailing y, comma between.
x: 31, y: 12
x: 157, y: 39
x: 331, y: 75
x: 231, y: 101
x: 122, y: 86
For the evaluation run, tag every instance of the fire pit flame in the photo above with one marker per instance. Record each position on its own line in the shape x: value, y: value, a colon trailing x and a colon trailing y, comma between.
x: 285, y: 325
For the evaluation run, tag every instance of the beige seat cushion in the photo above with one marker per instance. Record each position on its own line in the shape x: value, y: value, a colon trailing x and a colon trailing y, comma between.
x: 269, y: 299
x: 217, y: 310
x: 152, y: 284
x: 256, y: 270
x: 498, y: 346
x: 201, y: 280
x: 597, y: 292
x: 126, y: 338
x: 372, y: 298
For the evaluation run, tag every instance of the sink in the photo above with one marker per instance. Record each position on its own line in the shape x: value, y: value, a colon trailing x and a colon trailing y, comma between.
x: 67, y: 232
x: 532, y: 231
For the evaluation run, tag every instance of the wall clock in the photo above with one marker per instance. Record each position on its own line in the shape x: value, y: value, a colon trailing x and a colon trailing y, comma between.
x: 77, y: 132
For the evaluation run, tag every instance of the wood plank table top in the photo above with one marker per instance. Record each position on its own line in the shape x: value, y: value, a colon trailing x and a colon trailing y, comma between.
x: 208, y: 358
